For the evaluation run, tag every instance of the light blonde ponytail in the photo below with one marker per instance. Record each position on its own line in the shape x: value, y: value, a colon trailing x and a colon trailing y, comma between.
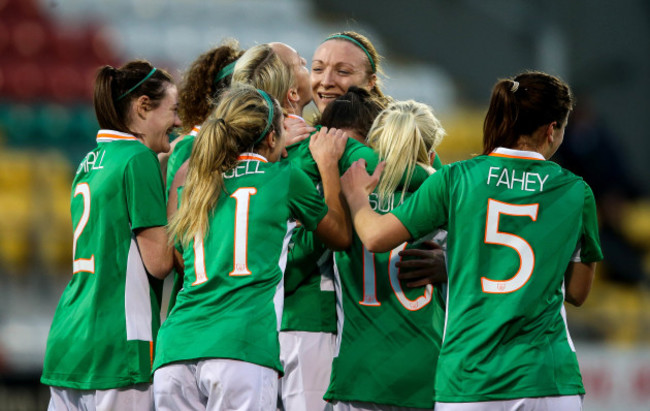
x: 404, y: 135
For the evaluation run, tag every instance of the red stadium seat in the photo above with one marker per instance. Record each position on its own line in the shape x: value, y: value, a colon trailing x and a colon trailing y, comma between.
x: 28, y: 38
x: 25, y: 80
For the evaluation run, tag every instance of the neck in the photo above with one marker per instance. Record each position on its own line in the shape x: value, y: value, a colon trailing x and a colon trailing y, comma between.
x: 527, y: 143
x: 297, y: 110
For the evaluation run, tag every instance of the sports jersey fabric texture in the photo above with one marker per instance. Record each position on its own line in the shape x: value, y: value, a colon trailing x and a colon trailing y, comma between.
x: 514, y: 221
x: 230, y: 305
x: 389, y: 335
x: 310, y: 304
x: 179, y: 155
x: 106, y: 322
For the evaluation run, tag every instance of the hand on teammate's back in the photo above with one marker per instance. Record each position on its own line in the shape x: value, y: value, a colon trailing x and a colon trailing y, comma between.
x: 328, y: 145
x: 356, y: 178
x: 422, y: 266
x: 296, y: 130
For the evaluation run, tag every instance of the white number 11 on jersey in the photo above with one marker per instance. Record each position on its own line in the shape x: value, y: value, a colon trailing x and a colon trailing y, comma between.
x: 240, y: 246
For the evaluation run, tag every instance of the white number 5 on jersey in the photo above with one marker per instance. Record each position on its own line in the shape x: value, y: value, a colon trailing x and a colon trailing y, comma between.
x: 521, y: 246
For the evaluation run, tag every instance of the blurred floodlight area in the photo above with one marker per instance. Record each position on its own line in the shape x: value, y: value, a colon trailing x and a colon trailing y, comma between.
x: 445, y: 54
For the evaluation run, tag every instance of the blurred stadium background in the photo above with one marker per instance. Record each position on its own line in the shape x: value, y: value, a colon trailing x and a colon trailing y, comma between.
x: 444, y: 53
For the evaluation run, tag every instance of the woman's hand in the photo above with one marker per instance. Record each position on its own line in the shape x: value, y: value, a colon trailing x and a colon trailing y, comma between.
x: 425, y: 266
x: 327, y: 146
x: 357, y: 181
x: 296, y: 130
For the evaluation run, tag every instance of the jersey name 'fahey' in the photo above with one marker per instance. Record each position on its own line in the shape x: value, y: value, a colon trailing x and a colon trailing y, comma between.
x: 513, y: 179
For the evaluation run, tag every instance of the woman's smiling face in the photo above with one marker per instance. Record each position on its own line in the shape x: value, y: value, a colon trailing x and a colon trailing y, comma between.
x: 338, y: 64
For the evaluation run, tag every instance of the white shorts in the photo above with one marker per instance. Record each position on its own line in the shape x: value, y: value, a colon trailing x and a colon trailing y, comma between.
x: 133, y: 398
x: 215, y: 384
x: 560, y: 403
x: 369, y: 406
x: 307, y: 361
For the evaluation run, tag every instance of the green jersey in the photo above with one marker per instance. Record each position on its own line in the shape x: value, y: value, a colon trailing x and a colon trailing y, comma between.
x: 179, y: 155
x: 309, y: 299
x: 514, y: 221
x: 108, y: 316
x: 231, y: 302
x: 389, y: 335
x: 309, y: 296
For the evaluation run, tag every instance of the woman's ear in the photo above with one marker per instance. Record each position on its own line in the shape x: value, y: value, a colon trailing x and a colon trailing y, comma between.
x: 272, y: 139
x: 143, y: 106
x: 293, y: 96
x: 372, y: 81
x: 550, y: 129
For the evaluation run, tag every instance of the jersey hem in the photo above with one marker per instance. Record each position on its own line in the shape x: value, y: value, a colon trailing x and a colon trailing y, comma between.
x: 510, y: 396
x: 90, y: 385
x: 373, y: 400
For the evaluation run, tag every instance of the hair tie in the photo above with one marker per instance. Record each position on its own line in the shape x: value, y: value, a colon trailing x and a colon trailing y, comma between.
x: 220, y: 120
x: 153, y: 70
x: 515, y: 86
x: 225, y: 72
x: 358, y: 43
x: 269, y: 120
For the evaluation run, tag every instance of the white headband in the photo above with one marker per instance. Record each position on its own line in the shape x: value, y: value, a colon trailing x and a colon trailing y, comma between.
x: 515, y: 86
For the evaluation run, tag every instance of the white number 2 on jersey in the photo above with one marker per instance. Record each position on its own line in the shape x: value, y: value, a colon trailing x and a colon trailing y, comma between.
x: 240, y: 246
x: 521, y: 246
x: 82, y: 264
x: 370, y: 282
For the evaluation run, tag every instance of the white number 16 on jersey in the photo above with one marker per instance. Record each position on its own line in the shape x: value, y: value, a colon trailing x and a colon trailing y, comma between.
x: 521, y: 246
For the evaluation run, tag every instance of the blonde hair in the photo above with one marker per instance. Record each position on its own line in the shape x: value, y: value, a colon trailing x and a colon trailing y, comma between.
x: 261, y: 67
x: 235, y: 126
x: 404, y: 135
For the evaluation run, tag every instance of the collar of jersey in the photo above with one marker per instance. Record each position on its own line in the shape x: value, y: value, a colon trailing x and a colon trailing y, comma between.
x: 106, y: 136
x: 296, y: 116
x: 510, y: 153
x: 195, y: 130
x: 252, y: 156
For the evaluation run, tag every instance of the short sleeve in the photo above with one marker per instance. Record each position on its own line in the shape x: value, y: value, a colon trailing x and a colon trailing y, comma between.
x: 300, y: 156
x: 427, y: 209
x: 145, y: 192
x: 590, y: 250
x: 437, y: 163
x: 177, y: 158
x: 305, y: 203
x: 355, y: 151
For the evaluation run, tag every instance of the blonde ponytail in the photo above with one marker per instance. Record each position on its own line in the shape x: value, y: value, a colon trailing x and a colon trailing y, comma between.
x: 404, y: 135
x: 239, y: 119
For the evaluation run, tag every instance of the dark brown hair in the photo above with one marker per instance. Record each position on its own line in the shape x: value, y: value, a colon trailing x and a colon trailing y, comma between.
x: 201, y: 86
x: 355, y: 110
x: 113, y: 94
x: 521, y: 105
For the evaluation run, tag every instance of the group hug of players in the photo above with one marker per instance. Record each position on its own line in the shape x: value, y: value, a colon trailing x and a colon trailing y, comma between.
x: 325, y: 264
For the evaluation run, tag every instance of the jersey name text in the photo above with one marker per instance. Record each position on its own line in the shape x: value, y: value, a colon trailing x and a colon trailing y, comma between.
x: 244, y: 168
x: 514, y: 179
x: 93, y: 161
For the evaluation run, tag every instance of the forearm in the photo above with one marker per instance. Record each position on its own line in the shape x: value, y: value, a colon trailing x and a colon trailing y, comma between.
x: 578, y: 279
x: 155, y: 250
x: 378, y: 233
x: 338, y: 210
